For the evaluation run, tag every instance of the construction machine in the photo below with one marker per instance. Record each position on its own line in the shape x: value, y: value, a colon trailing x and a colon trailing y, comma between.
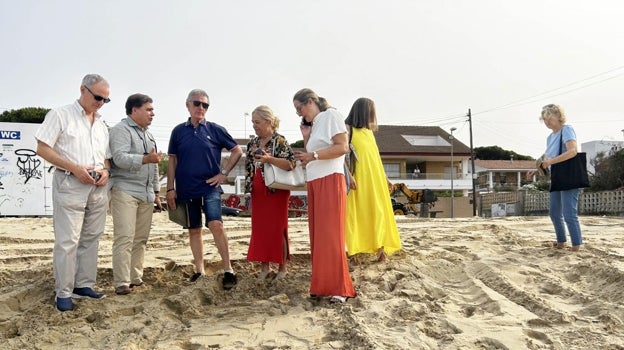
x: 425, y: 198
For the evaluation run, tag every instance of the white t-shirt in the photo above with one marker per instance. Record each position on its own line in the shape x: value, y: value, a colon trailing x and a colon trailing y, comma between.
x: 326, y: 125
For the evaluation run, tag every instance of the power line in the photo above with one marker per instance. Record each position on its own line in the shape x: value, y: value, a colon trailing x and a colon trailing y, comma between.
x: 434, y: 120
x: 540, y: 96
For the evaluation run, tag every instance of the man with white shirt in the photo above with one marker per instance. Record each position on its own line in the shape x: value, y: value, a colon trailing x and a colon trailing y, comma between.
x: 75, y: 140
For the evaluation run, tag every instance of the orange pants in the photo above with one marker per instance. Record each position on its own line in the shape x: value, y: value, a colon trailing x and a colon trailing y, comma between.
x: 327, y: 202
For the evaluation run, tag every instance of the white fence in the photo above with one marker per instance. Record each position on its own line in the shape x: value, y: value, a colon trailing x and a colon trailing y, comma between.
x: 537, y: 203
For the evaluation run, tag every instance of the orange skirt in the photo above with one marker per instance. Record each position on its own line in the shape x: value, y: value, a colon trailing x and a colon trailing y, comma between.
x: 327, y: 202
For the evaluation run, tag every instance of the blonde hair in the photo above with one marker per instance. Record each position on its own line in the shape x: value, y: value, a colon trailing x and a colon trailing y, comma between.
x: 553, y: 110
x: 266, y: 113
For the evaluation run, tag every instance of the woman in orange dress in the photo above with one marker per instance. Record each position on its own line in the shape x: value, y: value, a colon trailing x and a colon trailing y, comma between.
x: 269, y: 207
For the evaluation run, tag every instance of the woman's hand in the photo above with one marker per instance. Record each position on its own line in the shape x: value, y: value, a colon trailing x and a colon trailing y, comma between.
x: 546, y: 163
x: 352, y: 183
x: 304, y: 157
x: 261, y: 156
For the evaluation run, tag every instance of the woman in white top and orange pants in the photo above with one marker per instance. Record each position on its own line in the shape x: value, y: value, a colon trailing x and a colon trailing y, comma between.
x: 325, y: 139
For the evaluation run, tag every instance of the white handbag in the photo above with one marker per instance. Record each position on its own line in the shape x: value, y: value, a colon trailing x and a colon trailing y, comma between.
x: 277, y: 178
x: 280, y: 179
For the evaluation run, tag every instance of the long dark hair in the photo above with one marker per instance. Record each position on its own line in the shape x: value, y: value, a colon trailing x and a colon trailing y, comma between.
x: 362, y: 114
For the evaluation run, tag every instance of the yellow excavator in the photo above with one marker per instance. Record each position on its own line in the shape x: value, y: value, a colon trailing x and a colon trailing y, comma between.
x: 425, y: 198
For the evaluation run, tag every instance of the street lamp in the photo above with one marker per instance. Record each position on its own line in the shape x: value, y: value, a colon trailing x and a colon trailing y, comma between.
x: 452, y: 175
x: 245, y: 122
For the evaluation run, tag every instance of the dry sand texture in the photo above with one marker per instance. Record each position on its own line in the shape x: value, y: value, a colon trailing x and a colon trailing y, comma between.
x: 458, y: 284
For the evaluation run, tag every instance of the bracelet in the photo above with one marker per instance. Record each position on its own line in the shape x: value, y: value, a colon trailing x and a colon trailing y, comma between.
x: 171, y: 189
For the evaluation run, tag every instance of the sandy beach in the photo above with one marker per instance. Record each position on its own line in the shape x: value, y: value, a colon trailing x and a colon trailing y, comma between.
x: 457, y: 284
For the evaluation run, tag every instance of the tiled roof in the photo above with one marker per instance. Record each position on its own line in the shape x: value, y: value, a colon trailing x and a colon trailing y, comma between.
x: 390, y: 140
x: 505, y: 164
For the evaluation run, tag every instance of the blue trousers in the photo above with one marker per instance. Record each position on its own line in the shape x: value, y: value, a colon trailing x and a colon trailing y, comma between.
x: 564, y: 212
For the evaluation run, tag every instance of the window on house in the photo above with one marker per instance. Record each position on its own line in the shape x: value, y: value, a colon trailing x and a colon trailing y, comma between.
x: 483, y: 179
x: 393, y: 170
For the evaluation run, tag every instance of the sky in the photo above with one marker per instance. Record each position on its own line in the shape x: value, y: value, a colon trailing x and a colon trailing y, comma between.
x: 423, y: 62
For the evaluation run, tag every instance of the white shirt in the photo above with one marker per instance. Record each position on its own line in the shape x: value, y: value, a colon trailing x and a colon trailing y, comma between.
x: 69, y: 132
x: 326, y: 125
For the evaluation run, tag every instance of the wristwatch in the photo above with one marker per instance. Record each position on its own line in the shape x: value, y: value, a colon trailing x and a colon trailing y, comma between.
x: 224, y: 172
x: 315, y: 155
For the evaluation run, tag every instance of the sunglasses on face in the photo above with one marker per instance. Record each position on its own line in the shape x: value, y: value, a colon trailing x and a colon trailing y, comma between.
x: 97, y: 97
x: 200, y: 103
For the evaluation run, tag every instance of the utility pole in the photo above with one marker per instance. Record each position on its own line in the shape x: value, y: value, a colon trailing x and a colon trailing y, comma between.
x: 453, y: 173
x: 474, y: 175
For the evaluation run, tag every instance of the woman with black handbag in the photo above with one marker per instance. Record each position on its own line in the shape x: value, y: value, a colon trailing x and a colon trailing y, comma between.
x: 567, y: 176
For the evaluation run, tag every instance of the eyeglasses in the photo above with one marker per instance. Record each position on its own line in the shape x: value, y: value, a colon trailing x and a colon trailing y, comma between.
x: 301, y: 105
x: 97, y: 97
x: 200, y: 103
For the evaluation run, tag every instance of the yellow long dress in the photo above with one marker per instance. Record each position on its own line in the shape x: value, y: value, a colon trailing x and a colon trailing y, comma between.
x: 370, y: 221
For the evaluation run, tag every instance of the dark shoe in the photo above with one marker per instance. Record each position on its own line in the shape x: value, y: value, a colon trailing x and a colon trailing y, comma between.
x: 132, y: 285
x: 195, y: 276
x: 315, y: 297
x: 123, y: 290
x: 229, y: 280
x: 64, y: 304
x: 86, y: 292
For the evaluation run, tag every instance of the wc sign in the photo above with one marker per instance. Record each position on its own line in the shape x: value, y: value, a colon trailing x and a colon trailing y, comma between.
x: 10, y: 135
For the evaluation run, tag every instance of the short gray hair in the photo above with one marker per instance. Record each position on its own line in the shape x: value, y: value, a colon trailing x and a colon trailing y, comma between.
x: 91, y: 79
x: 197, y: 92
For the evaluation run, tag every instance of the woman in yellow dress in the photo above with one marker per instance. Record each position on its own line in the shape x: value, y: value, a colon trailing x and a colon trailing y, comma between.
x: 370, y: 225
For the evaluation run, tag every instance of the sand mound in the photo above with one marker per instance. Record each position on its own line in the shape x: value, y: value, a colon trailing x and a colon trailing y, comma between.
x: 457, y: 284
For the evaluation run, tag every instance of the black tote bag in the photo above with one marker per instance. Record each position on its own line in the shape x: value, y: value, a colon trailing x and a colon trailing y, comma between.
x: 569, y: 174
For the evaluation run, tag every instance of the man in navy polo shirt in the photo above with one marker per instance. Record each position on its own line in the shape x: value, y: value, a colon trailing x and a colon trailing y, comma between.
x: 195, y: 169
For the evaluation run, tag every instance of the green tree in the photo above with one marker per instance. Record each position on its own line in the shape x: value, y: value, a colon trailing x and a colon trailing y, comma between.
x: 297, y: 144
x: 163, y: 165
x: 24, y: 115
x: 497, y: 153
x: 609, y: 173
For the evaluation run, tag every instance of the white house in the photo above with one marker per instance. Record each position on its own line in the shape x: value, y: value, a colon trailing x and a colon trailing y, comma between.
x: 592, y: 148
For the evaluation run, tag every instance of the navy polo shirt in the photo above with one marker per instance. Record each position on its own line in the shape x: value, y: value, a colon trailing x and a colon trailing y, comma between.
x: 198, y: 151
